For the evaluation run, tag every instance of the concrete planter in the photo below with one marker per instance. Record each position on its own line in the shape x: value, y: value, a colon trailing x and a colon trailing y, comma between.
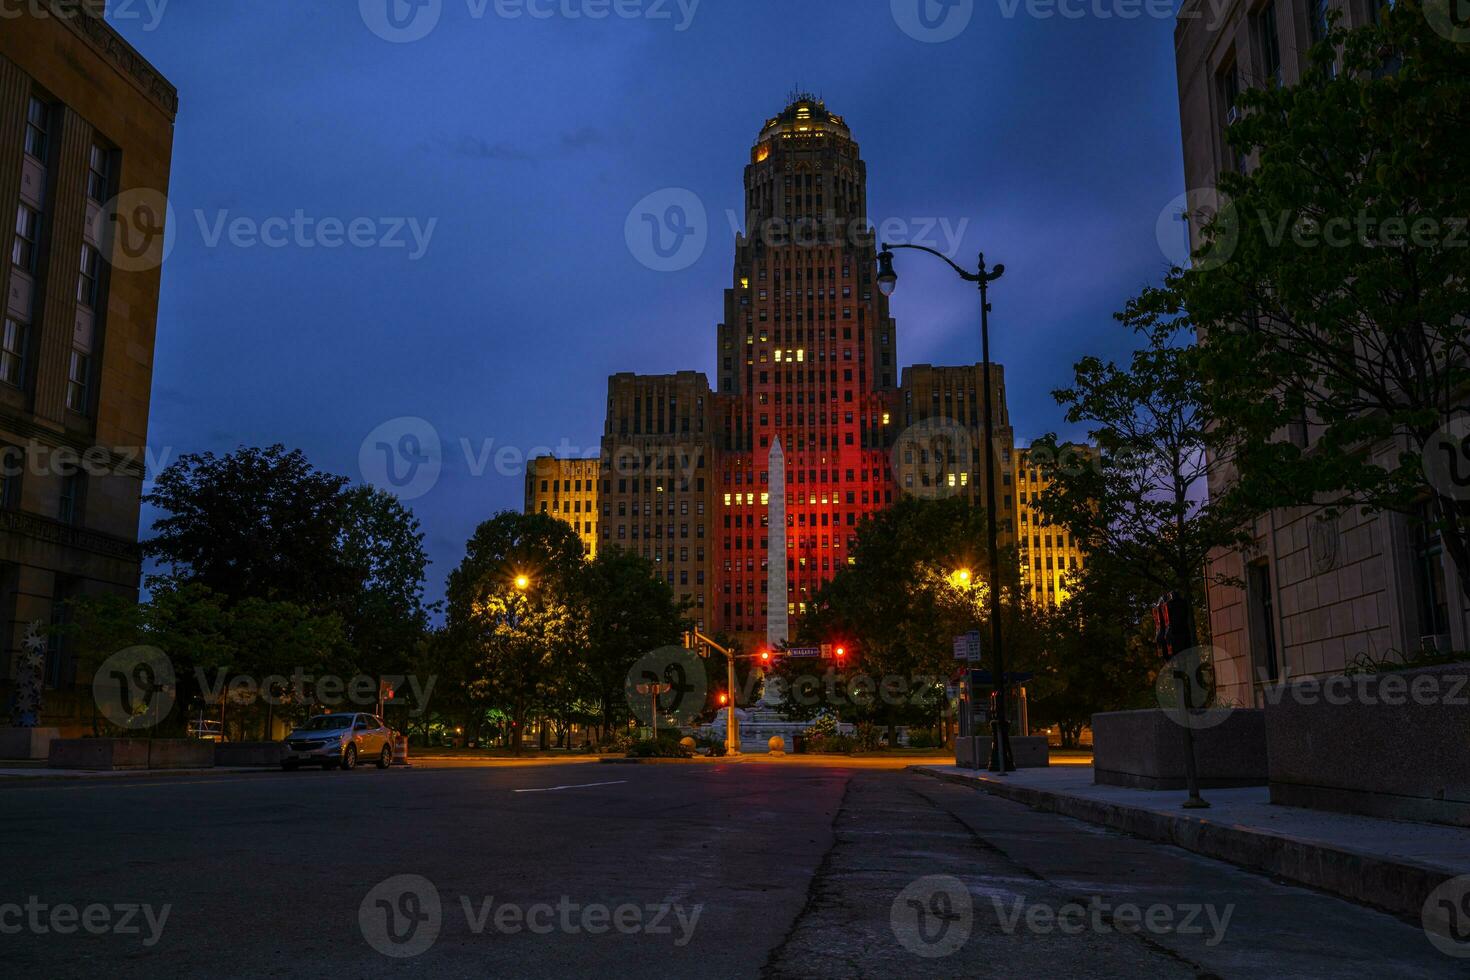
x: 1145, y: 750
x: 1031, y: 752
x: 1386, y: 745
x: 249, y: 753
x: 27, y: 743
x: 131, y: 753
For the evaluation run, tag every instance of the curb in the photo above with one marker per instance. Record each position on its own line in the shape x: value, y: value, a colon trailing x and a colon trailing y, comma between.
x: 650, y: 761
x: 1396, y: 886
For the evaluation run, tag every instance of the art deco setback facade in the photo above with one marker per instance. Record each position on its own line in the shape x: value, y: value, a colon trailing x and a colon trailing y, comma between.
x: 1048, y: 553
x: 807, y: 355
x: 82, y: 117
x: 566, y: 489
x: 1318, y: 592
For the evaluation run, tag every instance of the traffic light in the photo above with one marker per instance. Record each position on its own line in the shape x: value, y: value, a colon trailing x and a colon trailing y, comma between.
x: 841, y: 654
x: 765, y: 656
x: 724, y: 699
x: 688, y: 641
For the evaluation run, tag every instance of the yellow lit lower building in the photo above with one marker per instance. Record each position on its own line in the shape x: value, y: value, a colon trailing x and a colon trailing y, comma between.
x: 1047, y: 553
x: 565, y: 489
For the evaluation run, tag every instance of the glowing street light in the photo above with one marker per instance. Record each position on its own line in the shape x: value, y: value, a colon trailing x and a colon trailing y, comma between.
x: 523, y: 582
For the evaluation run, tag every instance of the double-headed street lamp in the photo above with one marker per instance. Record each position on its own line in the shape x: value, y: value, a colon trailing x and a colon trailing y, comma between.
x: 1000, y: 742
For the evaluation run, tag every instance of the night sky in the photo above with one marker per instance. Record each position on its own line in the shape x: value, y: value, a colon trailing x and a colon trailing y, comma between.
x: 522, y: 143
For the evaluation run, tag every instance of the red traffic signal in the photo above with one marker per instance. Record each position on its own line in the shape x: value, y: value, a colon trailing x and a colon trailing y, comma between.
x: 841, y: 653
x: 765, y: 656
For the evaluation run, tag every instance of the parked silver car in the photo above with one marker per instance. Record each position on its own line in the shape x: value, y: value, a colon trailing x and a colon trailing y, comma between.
x: 340, y: 740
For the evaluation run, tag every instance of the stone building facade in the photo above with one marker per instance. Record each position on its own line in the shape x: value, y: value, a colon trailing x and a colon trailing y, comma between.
x: 1312, y: 594
x: 86, y: 138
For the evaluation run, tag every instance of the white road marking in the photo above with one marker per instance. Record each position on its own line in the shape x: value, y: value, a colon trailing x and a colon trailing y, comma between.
x: 553, y: 789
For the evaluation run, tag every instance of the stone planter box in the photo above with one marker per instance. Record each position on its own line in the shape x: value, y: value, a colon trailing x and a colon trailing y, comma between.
x: 249, y: 753
x: 1386, y: 745
x: 1145, y: 750
x: 131, y: 753
x: 1030, y: 751
x: 27, y: 743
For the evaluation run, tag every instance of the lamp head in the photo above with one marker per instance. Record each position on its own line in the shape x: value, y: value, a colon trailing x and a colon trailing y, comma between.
x: 887, y: 278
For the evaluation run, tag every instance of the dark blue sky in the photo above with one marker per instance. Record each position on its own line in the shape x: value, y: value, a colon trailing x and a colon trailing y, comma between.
x: 529, y: 140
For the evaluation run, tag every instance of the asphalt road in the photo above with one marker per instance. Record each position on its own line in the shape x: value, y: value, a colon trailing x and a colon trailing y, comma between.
x: 699, y: 871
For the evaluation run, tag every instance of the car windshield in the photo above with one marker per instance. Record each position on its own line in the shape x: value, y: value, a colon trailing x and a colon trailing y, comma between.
x: 326, y: 723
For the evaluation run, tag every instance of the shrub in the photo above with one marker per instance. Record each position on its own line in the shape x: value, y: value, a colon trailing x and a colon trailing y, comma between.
x: 663, y: 747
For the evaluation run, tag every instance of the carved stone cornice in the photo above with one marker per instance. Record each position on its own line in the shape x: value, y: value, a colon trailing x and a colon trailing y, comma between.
x: 86, y: 20
x: 55, y: 532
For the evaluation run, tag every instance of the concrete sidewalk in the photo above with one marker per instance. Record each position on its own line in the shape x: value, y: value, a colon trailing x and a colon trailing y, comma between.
x: 1391, y: 865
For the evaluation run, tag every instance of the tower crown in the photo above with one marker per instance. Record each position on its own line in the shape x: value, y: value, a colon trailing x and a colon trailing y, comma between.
x: 805, y: 114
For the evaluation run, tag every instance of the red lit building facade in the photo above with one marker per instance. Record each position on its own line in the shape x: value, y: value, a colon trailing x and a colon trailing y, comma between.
x: 807, y: 355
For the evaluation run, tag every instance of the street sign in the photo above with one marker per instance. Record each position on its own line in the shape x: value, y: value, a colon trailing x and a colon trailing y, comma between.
x: 967, y: 647
x: 804, y: 652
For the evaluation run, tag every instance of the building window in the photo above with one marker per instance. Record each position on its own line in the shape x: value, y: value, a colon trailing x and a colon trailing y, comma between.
x: 99, y: 174
x: 73, y: 497
x: 13, y: 352
x: 36, y: 119
x: 1320, y: 9
x: 77, y: 376
x: 87, y: 280
x: 27, y: 228
x: 12, y: 468
x: 1263, y: 621
x: 1268, y: 44
x: 1428, y: 551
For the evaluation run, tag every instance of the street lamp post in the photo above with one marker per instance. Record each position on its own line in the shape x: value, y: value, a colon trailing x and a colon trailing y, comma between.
x: 1001, y: 760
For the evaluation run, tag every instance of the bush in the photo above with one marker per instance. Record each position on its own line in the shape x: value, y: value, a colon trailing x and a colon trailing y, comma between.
x: 924, y: 738
x: 868, y: 737
x: 663, y: 747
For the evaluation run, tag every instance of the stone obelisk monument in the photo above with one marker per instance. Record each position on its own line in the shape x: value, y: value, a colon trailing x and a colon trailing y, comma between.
x: 777, y: 624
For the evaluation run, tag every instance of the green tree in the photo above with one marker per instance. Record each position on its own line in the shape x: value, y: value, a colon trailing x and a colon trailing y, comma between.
x: 517, y: 597
x: 1140, y: 506
x: 631, y: 611
x: 1331, y: 295
x: 259, y: 523
x: 384, y: 615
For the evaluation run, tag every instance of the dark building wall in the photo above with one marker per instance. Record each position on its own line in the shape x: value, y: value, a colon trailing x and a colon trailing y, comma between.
x: 83, y: 118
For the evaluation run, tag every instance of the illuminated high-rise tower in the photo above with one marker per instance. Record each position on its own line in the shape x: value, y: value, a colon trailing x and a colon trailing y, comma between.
x: 807, y: 354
